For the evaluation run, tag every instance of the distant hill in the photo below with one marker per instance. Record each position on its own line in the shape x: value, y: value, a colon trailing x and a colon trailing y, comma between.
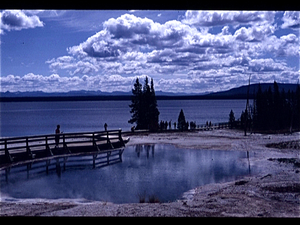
x: 241, y: 92
x: 234, y: 93
x: 79, y: 93
x: 61, y: 94
x: 75, y: 95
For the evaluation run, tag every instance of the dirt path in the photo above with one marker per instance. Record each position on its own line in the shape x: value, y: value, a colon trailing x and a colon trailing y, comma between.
x: 274, y: 192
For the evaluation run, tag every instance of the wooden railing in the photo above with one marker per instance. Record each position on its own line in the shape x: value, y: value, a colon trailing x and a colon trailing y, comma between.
x: 213, y: 126
x: 40, y: 146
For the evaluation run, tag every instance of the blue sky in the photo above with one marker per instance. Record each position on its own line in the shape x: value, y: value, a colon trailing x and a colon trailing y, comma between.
x: 183, y: 51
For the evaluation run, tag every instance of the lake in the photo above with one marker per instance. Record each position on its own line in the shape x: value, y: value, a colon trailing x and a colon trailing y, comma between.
x: 160, y: 170
x: 33, y: 118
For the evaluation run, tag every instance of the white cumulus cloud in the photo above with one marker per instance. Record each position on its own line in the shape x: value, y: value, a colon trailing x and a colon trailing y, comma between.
x: 291, y: 19
x: 220, y: 18
x: 18, y: 20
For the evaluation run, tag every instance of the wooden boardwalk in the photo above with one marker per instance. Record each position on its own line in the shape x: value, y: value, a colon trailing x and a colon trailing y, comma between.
x: 21, y: 150
x: 201, y: 127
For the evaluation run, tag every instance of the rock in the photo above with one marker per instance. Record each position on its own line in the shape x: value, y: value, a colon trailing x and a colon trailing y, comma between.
x: 241, y: 182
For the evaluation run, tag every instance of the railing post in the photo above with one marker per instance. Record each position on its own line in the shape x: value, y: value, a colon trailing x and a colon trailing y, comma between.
x: 5, y: 146
x: 29, y: 154
x: 120, y: 138
x: 64, y: 140
x: 7, y: 155
x: 108, y: 141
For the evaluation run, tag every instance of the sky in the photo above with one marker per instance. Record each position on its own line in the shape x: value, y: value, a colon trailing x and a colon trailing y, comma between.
x: 182, y: 50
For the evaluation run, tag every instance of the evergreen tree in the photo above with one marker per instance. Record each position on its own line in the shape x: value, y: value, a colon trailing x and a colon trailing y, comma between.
x: 290, y: 105
x: 278, y: 107
x: 296, y: 108
x: 144, y: 106
x: 285, y: 111
x: 259, y: 106
x: 231, y: 119
x: 276, y: 110
x: 269, y: 116
x: 243, y: 119
x: 181, y: 123
x: 153, y: 111
x: 136, y: 103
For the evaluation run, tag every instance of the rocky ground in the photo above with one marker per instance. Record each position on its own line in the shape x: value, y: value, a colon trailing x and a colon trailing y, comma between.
x: 273, y: 192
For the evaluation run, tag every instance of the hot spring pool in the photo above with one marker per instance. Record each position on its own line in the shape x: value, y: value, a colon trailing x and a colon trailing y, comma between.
x: 159, y: 170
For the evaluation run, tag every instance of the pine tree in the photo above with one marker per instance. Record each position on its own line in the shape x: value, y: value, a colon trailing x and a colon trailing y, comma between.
x: 269, y: 116
x: 259, y: 109
x: 136, y: 103
x: 144, y: 106
x: 296, y: 110
x: 231, y: 119
x: 181, y: 123
x: 275, y: 110
x: 153, y: 111
x: 243, y: 119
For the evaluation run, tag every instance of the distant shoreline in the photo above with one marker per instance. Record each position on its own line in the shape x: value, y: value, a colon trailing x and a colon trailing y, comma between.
x: 235, y: 93
x: 116, y: 98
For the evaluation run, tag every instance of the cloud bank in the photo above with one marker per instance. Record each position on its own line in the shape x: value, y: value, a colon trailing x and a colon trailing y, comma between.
x: 205, y: 51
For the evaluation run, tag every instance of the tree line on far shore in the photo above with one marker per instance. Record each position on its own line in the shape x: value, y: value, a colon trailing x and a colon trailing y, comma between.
x: 273, y: 110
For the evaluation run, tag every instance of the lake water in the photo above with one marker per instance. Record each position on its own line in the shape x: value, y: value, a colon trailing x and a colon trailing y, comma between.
x: 33, y: 118
x: 160, y: 170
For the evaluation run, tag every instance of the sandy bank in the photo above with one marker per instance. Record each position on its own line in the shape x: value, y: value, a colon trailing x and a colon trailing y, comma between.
x: 274, y: 192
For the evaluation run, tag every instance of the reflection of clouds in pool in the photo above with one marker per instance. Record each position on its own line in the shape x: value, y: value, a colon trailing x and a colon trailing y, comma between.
x: 162, y: 170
